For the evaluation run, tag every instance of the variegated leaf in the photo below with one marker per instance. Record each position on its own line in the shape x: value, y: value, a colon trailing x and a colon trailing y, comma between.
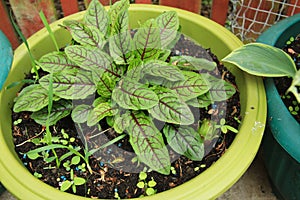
x: 194, y: 86
x: 85, y: 35
x: 97, y: 16
x: 80, y: 113
x: 119, y: 15
x: 171, y: 109
x: 91, y: 59
x: 56, y: 62
x: 185, y: 141
x: 201, y: 102
x: 147, y: 41
x: 71, y: 84
x: 147, y: 142
x: 168, y: 24
x: 99, y: 112
x: 105, y: 83
x: 60, y: 109
x: 130, y: 94
x: 164, y: 70
x: 120, y: 47
x: 220, y: 89
x: 32, y: 98
x: 192, y: 63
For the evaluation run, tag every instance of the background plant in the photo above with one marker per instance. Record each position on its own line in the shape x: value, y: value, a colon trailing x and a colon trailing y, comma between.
x: 267, y: 61
x: 135, y: 79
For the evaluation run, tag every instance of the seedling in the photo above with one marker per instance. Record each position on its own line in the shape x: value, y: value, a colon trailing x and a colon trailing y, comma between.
x: 148, y: 187
x: 73, y: 182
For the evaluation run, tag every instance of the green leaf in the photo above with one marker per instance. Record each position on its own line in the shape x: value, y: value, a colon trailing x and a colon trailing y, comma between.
x: 185, y: 141
x: 194, y: 86
x: 164, y: 70
x: 147, y: 41
x: 33, y: 155
x: 171, y: 109
x: 120, y: 47
x: 220, y: 89
x: 75, y: 160
x: 32, y: 98
x: 91, y: 59
x: 56, y: 62
x: 147, y: 142
x: 97, y: 16
x: 120, y: 23
x: 150, y: 191
x: 168, y: 24
x: 119, y: 16
x: 135, y: 69
x: 105, y: 82
x: 140, y: 185
x: 121, y: 123
x: 152, y: 183
x: 89, y: 36
x: 262, y: 60
x: 79, y: 181
x: 65, y: 185
x: 80, y: 113
x: 71, y: 84
x: 201, y: 102
x: 102, y: 110
x: 130, y: 94
x: 192, y: 63
x: 142, y: 175
x: 60, y: 109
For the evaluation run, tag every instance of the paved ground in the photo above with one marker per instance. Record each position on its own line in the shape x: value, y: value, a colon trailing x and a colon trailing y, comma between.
x: 253, y: 185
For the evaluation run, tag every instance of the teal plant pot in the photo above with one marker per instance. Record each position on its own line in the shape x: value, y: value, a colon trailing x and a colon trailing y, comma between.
x: 6, y: 56
x: 281, y: 142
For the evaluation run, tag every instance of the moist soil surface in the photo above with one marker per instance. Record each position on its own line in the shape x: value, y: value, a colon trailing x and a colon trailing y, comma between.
x: 114, y: 169
x: 282, y: 84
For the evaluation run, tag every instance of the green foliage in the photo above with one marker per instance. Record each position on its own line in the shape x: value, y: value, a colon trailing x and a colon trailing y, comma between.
x: 146, y: 186
x: 267, y: 61
x: 136, y: 81
x: 72, y: 183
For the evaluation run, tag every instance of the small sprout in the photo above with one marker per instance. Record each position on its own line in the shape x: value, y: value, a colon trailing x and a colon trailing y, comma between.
x: 142, y: 175
x: 75, y: 181
x: 173, y: 170
x: 37, y: 175
x: 75, y: 160
x: 72, y: 139
x: 152, y: 183
x: 18, y: 121
x: 196, y: 169
x: 140, y: 184
x: 150, y: 191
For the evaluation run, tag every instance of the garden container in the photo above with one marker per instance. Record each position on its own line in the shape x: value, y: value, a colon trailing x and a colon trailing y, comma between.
x: 208, y: 185
x: 281, y: 141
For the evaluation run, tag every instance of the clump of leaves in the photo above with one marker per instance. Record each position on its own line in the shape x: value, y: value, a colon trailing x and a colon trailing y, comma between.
x: 72, y: 183
x: 266, y: 61
x: 136, y: 82
x: 147, y: 186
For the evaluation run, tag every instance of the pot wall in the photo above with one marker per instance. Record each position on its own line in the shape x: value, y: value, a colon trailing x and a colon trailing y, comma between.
x: 281, y: 142
x: 210, y: 184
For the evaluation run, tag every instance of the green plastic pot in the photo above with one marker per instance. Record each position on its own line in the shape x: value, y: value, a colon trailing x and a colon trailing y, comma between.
x: 208, y: 185
x: 281, y: 143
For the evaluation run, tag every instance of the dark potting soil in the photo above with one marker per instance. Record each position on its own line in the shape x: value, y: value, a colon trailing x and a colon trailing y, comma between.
x: 283, y: 83
x: 111, y: 167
